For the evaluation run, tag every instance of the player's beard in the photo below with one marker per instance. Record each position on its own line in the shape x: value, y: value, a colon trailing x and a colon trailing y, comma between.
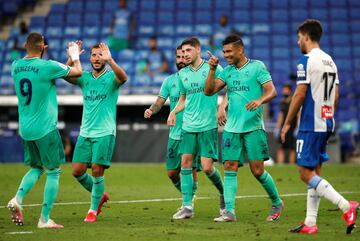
x: 101, y: 68
x: 180, y: 65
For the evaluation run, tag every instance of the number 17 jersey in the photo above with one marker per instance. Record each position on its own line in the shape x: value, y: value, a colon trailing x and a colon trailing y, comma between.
x: 318, y: 70
x: 34, y: 81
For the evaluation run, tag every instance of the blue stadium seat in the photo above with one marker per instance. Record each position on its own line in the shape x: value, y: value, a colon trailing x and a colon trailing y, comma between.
x: 354, y: 13
x: 183, y: 17
x: 295, y: 4
x: 339, y: 14
x: 243, y: 4
x: 146, y: 30
x: 93, y: 6
x: 147, y: 18
x: 53, y: 31
x: 58, y: 8
x: 280, y: 28
x: 355, y: 38
x: 240, y: 16
x: 279, y: 4
x: 74, y: 19
x: 299, y: 14
x: 165, y: 30
x: 55, y: 20
x: 281, y: 66
x: 91, y: 19
x: 111, y: 6
x: 106, y: 19
x: 204, y: 5
x: 55, y: 44
x: 242, y: 28
x: 261, y: 41
x: 126, y: 55
x: 203, y: 17
x: 37, y: 21
x: 72, y: 32
x: 184, y: 30
x: 280, y: 53
x: 166, y: 5
x: 263, y: 4
x: 165, y: 17
x: 133, y: 5
x: 165, y: 43
x: 319, y: 13
x: 260, y: 53
x: 260, y: 28
x: 260, y: 16
x: 223, y: 5
x: 280, y: 40
x: 337, y: 3
x: 91, y: 31
x: 339, y: 27
x: 148, y: 5
x: 344, y: 64
x: 319, y: 4
x: 75, y: 6
x: 355, y: 26
x: 203, y: 29
x: 340, y: 39
x: 187, y: 5
x: 354, y: 3
x: 280, y: 15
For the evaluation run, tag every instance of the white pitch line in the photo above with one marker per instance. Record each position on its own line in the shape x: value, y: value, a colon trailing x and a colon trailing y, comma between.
x: 174, y: 199
x: 23, y: 232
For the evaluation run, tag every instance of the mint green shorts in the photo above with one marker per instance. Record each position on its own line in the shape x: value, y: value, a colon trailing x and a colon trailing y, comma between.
x: 203, y: 144
x: 173, y: 156
x: 97, y: 150
x: 252, y: 144
x: 47, y: 151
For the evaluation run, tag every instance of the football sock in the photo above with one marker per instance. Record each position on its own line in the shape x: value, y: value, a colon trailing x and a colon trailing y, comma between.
x: 50, y: 192
x: 230, y: 189
x: 324, y: 189
x: 86, y: 181
x: 97, y: 192
x: 187, y: 183
x: 268, y: 184
x: 312, y: 207
x: 27, y: 183
x: 215, y: 178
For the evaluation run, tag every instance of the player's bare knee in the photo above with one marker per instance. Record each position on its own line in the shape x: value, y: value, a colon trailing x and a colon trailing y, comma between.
x: 231, y: 165
x: 257, y: 172
x: 97, y: 170
x: 77, y: 172
x: 207, y: 170
x: 173, y: 175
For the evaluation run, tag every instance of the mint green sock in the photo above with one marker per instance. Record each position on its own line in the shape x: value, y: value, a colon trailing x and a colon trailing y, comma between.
x: 268, y: 184
x: 27, y: 183
x: 230, y: 184
x: 187, y: 183
x: 178, y: 185
x: 97, y: 192
x: 50, y: 192
x: 86, y: 181
x: 215, y: 178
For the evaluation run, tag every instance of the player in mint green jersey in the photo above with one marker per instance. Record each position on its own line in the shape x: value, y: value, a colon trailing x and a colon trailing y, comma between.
x: 96, y: 141
x: 199, y: 127
x: 249, y: 86
x: 34, y: 80
x: 170, y: 89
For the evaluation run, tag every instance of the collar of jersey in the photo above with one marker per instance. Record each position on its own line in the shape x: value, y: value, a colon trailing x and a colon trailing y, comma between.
x: 105, y: 70
x: 192, y: 69
x: 247, y: 62
x: 32, y: 58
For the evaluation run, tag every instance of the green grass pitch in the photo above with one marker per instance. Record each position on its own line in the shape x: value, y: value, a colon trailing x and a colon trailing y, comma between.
x: 150, y: 219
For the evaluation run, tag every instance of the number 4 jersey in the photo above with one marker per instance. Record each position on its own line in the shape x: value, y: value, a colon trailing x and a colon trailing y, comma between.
x: 319, y: 72
x: 34, y: 81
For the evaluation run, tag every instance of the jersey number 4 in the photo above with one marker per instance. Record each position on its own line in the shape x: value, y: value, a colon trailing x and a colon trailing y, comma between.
x: 328, y: 88
x: 26, y: 90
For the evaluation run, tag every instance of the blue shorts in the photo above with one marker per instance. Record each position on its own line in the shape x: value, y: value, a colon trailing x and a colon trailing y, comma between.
x: 311, y: 148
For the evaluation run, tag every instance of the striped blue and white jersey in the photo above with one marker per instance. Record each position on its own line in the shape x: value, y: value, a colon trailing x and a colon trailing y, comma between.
x: 318, y: 70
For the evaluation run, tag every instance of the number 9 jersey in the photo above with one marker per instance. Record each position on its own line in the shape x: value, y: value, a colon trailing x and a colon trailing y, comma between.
x: 318, y: 70
x: 34, y: 81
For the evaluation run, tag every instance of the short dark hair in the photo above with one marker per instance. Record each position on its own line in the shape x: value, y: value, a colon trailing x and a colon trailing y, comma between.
x: 33, y: 41
x: 178, y: 48
x: 193, y: 41
x: 95, y: 46
x: 233, y: 39
x: 313, y: 28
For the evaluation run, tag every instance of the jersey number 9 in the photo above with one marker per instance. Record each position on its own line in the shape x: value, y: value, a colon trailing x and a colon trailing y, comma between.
x: 26, y: 90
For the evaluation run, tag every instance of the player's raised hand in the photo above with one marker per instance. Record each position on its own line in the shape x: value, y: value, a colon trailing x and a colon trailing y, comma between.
x: 148, y: 113
x: 213, y: 60
x: 73, y: 51
x: 105, y: 52
x: 80, y: 44
x: 171, y: 121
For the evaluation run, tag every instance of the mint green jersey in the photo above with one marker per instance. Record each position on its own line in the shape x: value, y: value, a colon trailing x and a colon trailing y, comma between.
x: 243, y: 85
x: 100, y: 95
x: 200, y: 113
x: 170, y: 89
x: 34, y: 81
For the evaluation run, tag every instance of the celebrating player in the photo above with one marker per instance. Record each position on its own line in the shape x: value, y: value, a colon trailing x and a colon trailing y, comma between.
x: 170, y: 89
x: 249, y: 86
x: 96, y: 142
x: 317, y: 93
x: 38, y: 116
x: 200, y: 136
